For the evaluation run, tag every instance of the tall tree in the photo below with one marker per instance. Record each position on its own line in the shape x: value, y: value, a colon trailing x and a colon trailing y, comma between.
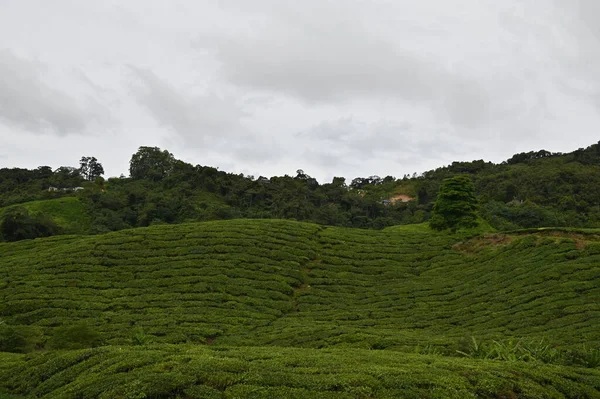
x: 455, y: 206
x: 151, y: 163
x: 90, y: 168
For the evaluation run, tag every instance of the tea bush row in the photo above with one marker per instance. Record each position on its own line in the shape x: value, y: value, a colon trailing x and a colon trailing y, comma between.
x: 199, y: 372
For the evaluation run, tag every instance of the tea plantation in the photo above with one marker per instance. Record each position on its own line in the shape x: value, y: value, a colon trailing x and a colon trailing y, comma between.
x: 274, y: 308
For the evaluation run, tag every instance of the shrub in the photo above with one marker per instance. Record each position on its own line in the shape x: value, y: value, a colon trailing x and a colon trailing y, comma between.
x: 19, y: 339
x: 17, y: 224
x: 75, y: 337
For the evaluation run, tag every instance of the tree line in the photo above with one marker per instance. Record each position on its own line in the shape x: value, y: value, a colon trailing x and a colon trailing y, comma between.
x: 533, y: 189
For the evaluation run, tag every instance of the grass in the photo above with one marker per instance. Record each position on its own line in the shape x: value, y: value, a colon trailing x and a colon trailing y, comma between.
x: 352, y: 312
x: 67, y: 212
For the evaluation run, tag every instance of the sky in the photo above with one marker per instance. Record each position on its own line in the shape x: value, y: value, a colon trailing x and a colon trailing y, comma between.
x: 265, y: 87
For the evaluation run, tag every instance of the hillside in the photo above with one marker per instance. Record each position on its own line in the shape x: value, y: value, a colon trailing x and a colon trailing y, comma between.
x: 269, y: 372
x: 69, y: 213
x: 529, y: 190
x: 275, y: 284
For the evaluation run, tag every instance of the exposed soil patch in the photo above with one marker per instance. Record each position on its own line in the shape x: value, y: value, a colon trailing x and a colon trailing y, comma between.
x: 477, y: 244
x: 400, y: 198
x: 580, y: 239
x: 210, y: 340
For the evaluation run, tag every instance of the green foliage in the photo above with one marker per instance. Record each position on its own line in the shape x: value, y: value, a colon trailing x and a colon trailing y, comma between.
x: 77, y: 336
x: 19, y: 339
x: 274, y: 308
x: 455, y: 206
x: 531, y: 189
x: 151, y: 163
x: 12, y: 339
x: 90, y: 168
x: 140, y: 338
x: 201, y: 372
x: 69, y: 213
x: 274, y: 282
x: 530, y: 350
x: 17, y: 224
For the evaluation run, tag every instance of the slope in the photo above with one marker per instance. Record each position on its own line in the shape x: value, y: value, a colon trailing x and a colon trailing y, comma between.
x: 185, y: 371
x: 275, y: 308
x: 67, y: 212
x: 275, y: 282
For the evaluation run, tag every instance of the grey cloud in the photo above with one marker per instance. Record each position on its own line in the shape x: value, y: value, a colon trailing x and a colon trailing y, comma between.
x: 201, y: 121
x: 195, y: 118
x: 581, y: 48
x: 351, y: 142
x: 363, y: 137
x: 327, y: 57
x: 586, y: 14
x: 498, y: 71
x: 28, y: 102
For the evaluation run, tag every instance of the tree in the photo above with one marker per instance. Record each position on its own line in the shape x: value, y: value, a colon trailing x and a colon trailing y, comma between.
x: 66, y: 176
x: 151, y: 163
x: 90, y: 168
x: 17, y: 224
x: 455, y: 206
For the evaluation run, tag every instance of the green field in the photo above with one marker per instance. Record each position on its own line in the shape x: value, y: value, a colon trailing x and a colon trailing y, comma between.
x: 274, y: 308
x: 69, y: 213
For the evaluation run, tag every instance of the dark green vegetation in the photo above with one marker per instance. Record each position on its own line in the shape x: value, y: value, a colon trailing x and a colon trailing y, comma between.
x: 68, y: 213
x: 202, y: 372
x: 17, y: 224
x: 264, y: 307
x: 455, y: 206
x: 273, y: 308
x: 533, y: 189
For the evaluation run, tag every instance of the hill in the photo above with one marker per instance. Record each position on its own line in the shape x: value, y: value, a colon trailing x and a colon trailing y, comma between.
x: 533, y: 189
x: 69, y: 213
x: 332, y: 292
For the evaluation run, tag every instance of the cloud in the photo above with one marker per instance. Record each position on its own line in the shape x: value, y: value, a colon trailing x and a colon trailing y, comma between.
x: 196, y: 118
x: 578, y: 49
x: 483, y: 67
x: 360, y: 136
x: 321, y: 52
x: 205, y: 121
x: 28, y: 102
x: 352, y: 144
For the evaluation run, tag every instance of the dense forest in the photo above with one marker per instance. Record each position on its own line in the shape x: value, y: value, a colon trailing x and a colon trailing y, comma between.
x: 533, y: 189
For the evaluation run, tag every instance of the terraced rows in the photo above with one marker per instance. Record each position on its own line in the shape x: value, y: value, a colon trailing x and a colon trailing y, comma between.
x: 396, y: 288
x: 185, y: 371
x: 177, y: 283
x: 257, y: 282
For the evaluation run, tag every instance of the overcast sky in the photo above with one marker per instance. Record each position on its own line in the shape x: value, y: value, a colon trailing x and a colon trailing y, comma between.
x: 265, y: 87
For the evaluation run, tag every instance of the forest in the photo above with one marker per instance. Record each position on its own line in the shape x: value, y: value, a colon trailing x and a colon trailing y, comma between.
x: 528, y: 190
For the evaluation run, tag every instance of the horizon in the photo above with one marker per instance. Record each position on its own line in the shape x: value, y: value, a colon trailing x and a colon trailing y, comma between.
x: 348, y: 178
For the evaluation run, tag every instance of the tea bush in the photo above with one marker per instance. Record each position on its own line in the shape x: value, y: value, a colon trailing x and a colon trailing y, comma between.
x: 335, y: 294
